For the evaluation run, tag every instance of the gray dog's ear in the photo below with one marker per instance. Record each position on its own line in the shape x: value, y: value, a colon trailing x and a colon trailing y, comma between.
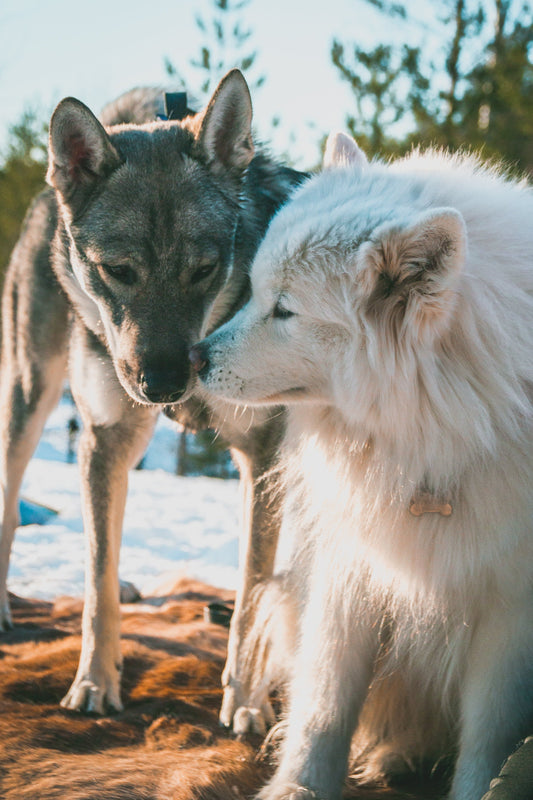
x: 80, y: 153
x: 225, y: 136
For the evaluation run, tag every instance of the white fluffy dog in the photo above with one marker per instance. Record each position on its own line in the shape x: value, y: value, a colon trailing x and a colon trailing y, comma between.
x: 392, y: 309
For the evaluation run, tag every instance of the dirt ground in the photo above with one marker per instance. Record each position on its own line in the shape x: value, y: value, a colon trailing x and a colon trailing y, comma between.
x: 165, y: 745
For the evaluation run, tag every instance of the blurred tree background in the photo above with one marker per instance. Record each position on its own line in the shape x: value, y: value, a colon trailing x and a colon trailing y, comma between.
x: 474, y: 91
x: 22, y: 169
x: 224, y: 44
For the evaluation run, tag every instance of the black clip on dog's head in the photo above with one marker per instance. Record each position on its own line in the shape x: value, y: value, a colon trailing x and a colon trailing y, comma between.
x: 176, y: 106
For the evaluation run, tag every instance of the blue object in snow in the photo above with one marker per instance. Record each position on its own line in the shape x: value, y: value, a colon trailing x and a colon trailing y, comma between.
x: 32, y: 513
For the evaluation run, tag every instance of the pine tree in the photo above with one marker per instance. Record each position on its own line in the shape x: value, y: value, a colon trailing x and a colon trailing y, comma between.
x: 487, y: 99
x: 497, y: 106
x: 224, y: 37
x: 22, y: 173
x: 381, y: 101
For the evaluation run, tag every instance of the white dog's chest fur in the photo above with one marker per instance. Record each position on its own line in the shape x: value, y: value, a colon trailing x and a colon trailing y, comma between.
x: 360, y: 507
x: 431, y: 574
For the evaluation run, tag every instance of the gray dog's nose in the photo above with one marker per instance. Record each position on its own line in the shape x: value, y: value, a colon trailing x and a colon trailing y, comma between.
x: 162, y: 386
x: 198, y: 357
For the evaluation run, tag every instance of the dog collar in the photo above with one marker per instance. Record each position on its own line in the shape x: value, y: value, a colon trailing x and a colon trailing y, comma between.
x: 426, y: 502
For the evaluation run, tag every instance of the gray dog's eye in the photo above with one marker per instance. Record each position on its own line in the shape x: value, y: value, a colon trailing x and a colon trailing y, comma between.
x: 203, y: 271
x: 121, y: 272
x: 280, y: 311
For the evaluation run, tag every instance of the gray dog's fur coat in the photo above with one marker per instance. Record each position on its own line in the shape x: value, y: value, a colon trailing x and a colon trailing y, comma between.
x: 141, y: 247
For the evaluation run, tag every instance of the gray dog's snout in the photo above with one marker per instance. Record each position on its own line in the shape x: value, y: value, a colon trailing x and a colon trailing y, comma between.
x: 198, y: 357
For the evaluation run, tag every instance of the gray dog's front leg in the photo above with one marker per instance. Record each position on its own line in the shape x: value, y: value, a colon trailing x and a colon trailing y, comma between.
x: 115, y: 435
x: 243, y: 706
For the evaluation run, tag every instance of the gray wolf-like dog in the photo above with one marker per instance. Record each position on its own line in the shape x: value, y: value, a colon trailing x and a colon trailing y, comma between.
x: 142, y: 246
x: 392, y: 310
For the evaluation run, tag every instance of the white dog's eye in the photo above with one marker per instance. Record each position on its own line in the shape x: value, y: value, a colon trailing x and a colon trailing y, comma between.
x: 281, y: 311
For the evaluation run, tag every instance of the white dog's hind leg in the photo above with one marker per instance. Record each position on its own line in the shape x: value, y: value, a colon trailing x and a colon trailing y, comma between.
x: 332, y: 672
x: 115, y: 434
x: 497, y: 699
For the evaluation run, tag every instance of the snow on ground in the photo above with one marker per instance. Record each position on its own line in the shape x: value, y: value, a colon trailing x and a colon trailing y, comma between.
x: 173, y: 525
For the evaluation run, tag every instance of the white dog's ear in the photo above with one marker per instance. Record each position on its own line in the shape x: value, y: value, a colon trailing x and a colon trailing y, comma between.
x: 80, y: 153
x: 410, y: 273
x: 342, y: 151
x: 225, y: 135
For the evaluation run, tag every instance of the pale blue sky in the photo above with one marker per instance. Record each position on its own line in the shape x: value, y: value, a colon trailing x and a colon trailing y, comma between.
x: 96, y: 50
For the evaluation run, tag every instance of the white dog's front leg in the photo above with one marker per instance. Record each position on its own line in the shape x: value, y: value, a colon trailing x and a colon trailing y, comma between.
x: 331, y: 679
x: 497, y: 698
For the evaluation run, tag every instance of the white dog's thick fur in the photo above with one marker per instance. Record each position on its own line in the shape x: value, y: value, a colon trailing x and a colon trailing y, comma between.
x: 392, y: 308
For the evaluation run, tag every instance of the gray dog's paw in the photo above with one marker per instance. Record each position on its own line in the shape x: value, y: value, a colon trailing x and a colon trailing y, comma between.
x: 277, y: 791
x: 87, y: 696
x: 253, y: 720
x: 245, y: 716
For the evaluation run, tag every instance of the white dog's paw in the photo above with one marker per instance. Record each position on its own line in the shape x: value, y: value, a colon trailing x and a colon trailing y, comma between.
x: 6, y: 622
x: 94, y: 696
x: 245, y: 717
x: 383, y: 762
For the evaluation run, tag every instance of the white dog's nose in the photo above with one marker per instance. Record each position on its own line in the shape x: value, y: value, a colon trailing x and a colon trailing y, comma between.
x: 198, y: 357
